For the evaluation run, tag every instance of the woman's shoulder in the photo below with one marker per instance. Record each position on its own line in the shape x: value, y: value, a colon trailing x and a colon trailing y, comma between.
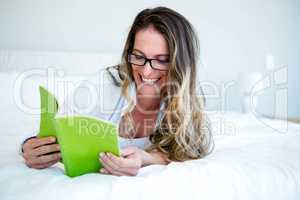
x: 114, y: 75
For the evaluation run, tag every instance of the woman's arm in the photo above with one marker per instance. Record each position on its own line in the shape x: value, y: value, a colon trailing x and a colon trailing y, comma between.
x: 154, y: 157
x: 130, y: 161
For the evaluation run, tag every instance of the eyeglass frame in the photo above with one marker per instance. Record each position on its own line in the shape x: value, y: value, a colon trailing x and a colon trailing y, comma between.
x: 146, y: 60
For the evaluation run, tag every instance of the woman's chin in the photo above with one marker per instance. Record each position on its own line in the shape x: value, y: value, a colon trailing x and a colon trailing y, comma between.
x: 148, y: 91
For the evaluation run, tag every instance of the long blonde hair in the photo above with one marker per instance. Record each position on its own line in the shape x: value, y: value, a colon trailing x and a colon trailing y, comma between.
x: 183, y: 132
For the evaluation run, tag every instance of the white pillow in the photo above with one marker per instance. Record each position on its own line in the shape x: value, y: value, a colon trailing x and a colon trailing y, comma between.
x: 20, y: 102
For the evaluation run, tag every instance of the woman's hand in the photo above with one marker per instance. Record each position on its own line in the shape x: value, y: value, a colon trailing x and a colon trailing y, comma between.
x: 128, y: 164
x: 41, y: 153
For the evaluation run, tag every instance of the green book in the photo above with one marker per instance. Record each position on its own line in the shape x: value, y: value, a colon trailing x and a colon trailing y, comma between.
x: 81, y: 138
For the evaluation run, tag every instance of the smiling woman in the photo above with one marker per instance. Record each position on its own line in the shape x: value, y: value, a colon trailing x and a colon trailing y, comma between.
x: 149, y: 76
x: 160, y: 57
x: 159, y: 62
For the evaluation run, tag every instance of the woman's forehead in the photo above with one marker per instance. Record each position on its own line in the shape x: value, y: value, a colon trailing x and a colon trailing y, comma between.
x: 151, y: 42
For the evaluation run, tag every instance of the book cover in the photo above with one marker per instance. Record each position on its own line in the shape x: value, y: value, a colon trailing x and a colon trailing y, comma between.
x: 81, y: 138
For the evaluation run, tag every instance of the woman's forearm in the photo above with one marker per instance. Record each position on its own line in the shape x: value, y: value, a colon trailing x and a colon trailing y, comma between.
x: 154, y: 157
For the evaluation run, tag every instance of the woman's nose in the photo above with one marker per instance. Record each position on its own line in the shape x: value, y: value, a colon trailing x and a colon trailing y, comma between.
x: 147, y: 69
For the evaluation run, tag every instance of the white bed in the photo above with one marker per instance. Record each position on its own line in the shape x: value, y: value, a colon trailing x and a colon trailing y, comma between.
x: 254, y: 158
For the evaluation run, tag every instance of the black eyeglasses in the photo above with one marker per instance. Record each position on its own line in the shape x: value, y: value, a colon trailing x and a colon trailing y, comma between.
x: 157, y: 64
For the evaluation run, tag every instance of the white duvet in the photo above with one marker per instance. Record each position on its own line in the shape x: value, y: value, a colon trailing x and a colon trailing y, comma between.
x: 253, y: 159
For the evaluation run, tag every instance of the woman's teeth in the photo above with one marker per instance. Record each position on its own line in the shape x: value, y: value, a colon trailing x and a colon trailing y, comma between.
x: 149, y: 81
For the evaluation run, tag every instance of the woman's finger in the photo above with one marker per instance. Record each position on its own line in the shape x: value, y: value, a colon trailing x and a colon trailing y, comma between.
x: 104, y: 157
x: 109, y: 169
x: 45, y: 159
x: 45, y: 165
x: 46, y: 149
x: 117, y: 161
x: 128, y: 166
x: 103, y: 171
x: 109, y: 166
x: 37, y: 142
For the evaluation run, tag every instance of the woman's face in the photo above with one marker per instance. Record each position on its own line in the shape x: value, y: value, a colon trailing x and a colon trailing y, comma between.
x: 151, y: 44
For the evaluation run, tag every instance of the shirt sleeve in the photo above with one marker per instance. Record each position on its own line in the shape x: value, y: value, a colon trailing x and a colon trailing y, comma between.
x: 26, y: 137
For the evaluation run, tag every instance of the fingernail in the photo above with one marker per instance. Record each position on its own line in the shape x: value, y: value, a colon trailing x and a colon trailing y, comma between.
x: 101, y: 155
x: 53, y: 139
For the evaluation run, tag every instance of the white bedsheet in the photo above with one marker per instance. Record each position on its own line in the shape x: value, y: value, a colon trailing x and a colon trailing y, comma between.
x: 250, y: 161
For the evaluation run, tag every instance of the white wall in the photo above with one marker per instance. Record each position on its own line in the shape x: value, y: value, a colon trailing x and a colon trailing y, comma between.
x: 235, y: 35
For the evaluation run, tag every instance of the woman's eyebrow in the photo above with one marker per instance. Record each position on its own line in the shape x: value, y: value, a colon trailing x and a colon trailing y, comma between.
x: 162, y: 55
x: 158, y: 55
x: 139, y: 51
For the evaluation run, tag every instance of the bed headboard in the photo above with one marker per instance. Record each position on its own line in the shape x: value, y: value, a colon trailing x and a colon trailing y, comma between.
x: 70, y: 62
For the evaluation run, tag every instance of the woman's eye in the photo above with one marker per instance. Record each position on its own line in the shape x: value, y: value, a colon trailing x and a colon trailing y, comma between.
x: 163, y: 61
x: 138, y: 57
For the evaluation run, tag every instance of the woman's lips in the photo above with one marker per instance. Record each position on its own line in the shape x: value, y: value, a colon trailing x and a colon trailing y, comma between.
x: 148, y: 80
